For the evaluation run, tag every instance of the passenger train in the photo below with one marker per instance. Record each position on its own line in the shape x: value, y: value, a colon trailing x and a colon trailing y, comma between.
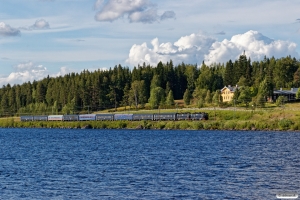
x: 116, y: 117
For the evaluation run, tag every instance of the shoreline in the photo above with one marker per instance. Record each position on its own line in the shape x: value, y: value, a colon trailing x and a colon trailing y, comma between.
x: 228, y: 125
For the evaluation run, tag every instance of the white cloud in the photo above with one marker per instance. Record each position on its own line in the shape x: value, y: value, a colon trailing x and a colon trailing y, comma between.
x: 196, y: 48
x: 40, y: 24
x: 29, y: 71
x: 254, y: 44
x: 6, y: 30
x: 25, y: 72
x: 136, y: 11
x: 190, y: 49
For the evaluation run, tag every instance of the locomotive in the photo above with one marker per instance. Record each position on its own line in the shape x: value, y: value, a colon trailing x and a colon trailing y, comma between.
x: 116, y: 117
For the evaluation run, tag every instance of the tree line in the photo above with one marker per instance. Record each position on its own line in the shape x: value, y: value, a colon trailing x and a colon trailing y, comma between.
x: 156, y: 85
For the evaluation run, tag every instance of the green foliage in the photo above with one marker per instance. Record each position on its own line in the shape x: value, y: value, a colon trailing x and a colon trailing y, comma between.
x: 197, y: 125
x: 245, y: 96
x: 159, y: 125
x: 280, y: 101
x: 285, y: 124
x: 170, y: 99
x: 137, y: 93
x: 187, y: 97
x: 200, y: 103
x: 170, y: 125
x: 200, y: 95
x: 208, y: 98
x: 155, y: 82
x: 217, y: 99
x: 260, y: 100
x: 184, y: 125
x: 106, y: 89
x: 298, y: 93
x: 157, y: 97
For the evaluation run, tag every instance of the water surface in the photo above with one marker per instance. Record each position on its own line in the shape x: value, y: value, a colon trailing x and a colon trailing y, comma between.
x: 147, y: 164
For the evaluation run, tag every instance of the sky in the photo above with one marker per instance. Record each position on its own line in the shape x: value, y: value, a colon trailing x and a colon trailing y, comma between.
x: 56, y: 37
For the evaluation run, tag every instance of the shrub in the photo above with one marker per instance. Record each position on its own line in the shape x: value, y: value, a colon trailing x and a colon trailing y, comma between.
x: 159, y: 125
x: 285, y: 124
x: 229, y: 125
x: 198, y: 125
x: 184, y: 125
x: 170, y: 125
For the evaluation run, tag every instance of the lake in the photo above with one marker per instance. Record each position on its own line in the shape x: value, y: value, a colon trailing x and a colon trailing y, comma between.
x: 147, y: 164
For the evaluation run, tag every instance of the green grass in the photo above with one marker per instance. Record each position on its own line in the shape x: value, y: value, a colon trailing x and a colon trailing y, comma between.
x: 239, y: 118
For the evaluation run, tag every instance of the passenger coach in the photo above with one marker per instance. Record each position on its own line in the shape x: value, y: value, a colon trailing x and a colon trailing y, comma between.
x: 115, y: 117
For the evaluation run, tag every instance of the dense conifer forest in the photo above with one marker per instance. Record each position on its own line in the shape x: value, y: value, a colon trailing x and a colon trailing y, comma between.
x: 150, y: 86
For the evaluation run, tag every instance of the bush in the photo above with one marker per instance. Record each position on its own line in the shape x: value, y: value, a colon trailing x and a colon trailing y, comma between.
x: 159, y: 125
x: 184, y: 125
x: 295, y: 126
x: 170, y: 125
x: 229, y: 125
x: 207, y: 126
x: 285, y: 124
x: 198, y: 125
x: 146, y: 124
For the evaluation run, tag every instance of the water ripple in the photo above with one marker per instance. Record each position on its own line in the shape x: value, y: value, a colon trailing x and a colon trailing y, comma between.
x: 147, y: 164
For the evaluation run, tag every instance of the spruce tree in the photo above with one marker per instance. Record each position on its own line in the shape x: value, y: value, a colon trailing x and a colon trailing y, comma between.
x: 170, y: 99
x: 187, y: 97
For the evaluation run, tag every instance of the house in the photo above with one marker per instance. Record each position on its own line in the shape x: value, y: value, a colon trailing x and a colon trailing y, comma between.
x: 227, y: 92
x: 289, y: 94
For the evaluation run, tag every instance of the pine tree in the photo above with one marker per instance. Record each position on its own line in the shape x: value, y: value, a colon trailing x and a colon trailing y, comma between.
x: 155, y: 82
x: 40, y: 92
x: 228, y: 75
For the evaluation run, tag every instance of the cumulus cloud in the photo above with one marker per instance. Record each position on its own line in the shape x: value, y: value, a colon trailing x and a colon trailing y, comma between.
x: 191, y: 48
x: 24, y: 72
x: 255, y: 45
x: 136, y: 11
x: 196, y: 48
x: 6, y: 30
x: 40, y: 24
x: 30, y: 71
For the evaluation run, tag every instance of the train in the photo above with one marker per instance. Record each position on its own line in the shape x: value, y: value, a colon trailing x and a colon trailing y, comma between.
x: 116, y: 117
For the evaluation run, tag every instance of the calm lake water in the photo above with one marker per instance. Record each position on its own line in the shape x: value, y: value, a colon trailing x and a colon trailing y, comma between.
x: 147, y: 164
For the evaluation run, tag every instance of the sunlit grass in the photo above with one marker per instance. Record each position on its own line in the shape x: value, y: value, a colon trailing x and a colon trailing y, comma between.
x: 271, y: 117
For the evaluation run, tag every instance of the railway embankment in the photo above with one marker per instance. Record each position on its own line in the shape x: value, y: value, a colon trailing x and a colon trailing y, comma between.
x: 230, y: 119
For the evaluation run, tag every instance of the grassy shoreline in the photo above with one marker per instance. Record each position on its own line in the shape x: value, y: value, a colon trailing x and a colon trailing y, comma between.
x: 221, y: 119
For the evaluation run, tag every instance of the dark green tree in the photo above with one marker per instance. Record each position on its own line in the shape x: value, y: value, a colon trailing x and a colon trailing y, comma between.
x: 187, y: 97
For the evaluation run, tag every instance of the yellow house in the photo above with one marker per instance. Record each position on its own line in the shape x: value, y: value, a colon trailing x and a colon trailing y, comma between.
x: 227, y: 93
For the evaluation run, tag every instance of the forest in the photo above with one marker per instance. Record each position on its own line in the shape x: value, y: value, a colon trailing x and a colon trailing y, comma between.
x: 150, y: 87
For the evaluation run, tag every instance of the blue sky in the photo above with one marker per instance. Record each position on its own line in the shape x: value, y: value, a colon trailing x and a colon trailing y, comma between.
x: 55, y: 37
